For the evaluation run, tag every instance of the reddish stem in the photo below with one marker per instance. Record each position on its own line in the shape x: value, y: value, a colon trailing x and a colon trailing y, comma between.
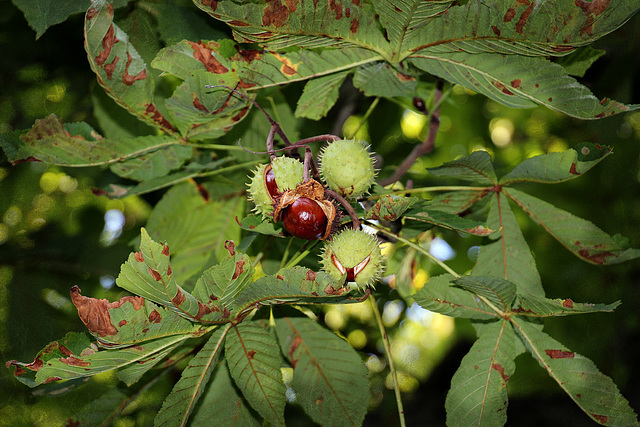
x: 355, y: 221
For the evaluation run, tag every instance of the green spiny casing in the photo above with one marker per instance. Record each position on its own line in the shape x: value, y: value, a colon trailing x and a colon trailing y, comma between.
x: 349, y: 249
x: 288, y: 174
x: 347, y: 167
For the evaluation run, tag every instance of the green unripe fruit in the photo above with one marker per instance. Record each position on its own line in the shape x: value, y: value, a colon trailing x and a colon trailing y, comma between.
x: 355, y: 253
x: 347, y: 167
x: 269, y: 181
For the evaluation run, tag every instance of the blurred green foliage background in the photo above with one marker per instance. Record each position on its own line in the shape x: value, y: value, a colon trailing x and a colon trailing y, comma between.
x: 53, y: 233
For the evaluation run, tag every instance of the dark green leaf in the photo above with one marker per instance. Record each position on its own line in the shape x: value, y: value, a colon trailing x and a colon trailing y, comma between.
x: 222, y: 405
x: 529, y: 305
x: 579, y: 61
x: 260, y: 225
x: 557, y: 167
x: 329, y: 378
x: 254, y: 361
x: 478, y: 394
x: 594, y: 392
x: 177, y: 407
x: 509, y: 257
x: 379, y: 79
x: 580, y: 236
x: 156, y: 164
x: 319, y: 95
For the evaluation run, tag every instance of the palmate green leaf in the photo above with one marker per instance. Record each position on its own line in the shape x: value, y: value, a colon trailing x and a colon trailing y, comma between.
x: 295, y: 285
x: 595, y: 393
x: 319, y: 95
x: 180, y: 403
x: 148, y: 273
x: 476, y: 167
x: 121, y: 71
x: 580, y: 236
x: 497, y: 291
x: 442, y: 296
x: 529, y: 305
x: 195, y: 221
x: 224, y: 281
x: 329, y: 378
x: 75, y: 356
x: 509, y: 257
x: 155, y: 164
x: 304, y: 23
x: 222, y: 405
x: 558, y: 167
x: 129, y: 321
x: 254, y: 361
x: 77, y: 144
x: 517, y: 81
x: 478, y: 394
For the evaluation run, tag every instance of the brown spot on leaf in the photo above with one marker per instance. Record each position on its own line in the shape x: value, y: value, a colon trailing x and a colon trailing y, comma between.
x: 502, y: 88
x: 495, y: 30
x: 199, y: 105
x: 251, y: 354
x: 240, y: 115
x: 74, y: 361
x: 523, y: 19
x: 122, y: 323
x: 595, y: 7
x: 178, y: 299
x: 225, y: 313
x: 568, y: 303
x: 311, y: 275
x: 248, y: 55
x: 156, y: 276
x: 275, y: 14
x: 157, y: 117
x: 203, y: 53
x: 239, y: 269
x: 51, y: 379
x: 110, y: 67
x: 165, y: 250
x: 288, y: 67
x: 597, y: 258
x: 516, y: 83
x: 602, y: 419
x: 354, y: 25
x: 203, y: 310
x: 94, y: 313
x: 127, y: 78
x: 213, y: 4
x: 336, y: 7
x: 64, y: 350
x: 154, y: 317
x: 138, y: 256
x: 108, y: 41
x: 235, y: 23
x: 509, y: 15
x: 294, y: 345
x: 560, y: 354
x: 498, y: 367
x: 479, y: 231
x: 562, y: 48
x: 573, y: 170
x: 230, y: 246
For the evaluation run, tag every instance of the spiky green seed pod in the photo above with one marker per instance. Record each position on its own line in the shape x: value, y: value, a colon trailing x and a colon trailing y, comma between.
x: 355, y: 253
x: 347, y: 167
x: 268, y: 181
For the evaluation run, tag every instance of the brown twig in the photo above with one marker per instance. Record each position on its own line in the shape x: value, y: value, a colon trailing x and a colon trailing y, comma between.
x: 355, y: 221
x: 423, y: 148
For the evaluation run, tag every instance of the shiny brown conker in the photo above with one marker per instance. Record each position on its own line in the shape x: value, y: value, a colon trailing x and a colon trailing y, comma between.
x: 305, y: 219
x: 270, y: 182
